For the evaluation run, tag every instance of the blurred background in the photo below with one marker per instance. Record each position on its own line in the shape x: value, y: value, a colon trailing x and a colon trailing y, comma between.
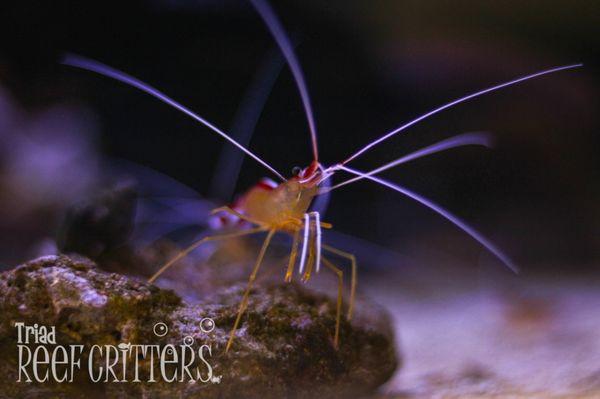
x: 370, y: 66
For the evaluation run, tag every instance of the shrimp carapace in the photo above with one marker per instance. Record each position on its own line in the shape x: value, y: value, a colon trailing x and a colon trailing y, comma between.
x: 282, y: 206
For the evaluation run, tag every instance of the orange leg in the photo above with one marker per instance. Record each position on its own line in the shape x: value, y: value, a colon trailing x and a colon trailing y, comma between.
x: 195, y: 245
x: 352, y: 259
x: 293, y: 255
x: 244, y: 302
x: 338, y: 317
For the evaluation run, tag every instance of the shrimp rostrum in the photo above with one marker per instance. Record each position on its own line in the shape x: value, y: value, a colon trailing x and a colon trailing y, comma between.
x: 284, y: 207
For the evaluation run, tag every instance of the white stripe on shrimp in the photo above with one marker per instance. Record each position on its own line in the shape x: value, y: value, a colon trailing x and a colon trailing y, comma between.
x: 304, y: 244
x: 318, y: 239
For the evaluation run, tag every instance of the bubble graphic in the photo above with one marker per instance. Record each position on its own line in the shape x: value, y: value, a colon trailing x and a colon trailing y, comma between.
x: 188, y: 340
x: 160, y: 329
x: 124, y: 346
x: 207, y: 325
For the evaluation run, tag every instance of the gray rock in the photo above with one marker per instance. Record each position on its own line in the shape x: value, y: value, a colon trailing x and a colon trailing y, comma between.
x: 283, y: 348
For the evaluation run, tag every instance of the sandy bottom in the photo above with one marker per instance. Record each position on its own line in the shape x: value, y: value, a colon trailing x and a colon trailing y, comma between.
x: 493, y: 337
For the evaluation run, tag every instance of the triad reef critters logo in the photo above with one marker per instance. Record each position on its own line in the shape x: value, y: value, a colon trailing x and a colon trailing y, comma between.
x: 42, y: 359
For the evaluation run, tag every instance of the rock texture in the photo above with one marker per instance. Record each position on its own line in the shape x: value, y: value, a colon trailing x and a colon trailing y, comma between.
x: 283, y: 348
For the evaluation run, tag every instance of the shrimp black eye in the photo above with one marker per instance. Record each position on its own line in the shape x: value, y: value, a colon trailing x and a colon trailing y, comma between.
x: 296, y: 170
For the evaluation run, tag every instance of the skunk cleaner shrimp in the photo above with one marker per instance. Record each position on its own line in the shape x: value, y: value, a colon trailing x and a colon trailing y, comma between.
x: 284, y: 207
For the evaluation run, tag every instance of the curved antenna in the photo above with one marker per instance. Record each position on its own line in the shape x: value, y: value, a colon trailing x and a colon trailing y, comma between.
x: 95, y: 66
x: 274, y: 26
x: 443, y: 212
x: 455, y: 102
x: 461, y: 140
x: 244, y: 123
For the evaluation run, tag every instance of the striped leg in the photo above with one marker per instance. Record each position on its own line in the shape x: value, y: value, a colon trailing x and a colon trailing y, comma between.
x: 305, y: 240
x: 314, y: 259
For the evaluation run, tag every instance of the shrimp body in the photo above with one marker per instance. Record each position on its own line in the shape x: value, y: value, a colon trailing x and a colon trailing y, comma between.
x: 280, y: 207
x: 284, y: 208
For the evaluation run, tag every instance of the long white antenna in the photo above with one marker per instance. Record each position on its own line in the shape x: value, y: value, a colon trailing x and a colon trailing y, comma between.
x: 455, y: 102
x: 95, y: 66
x: 443, y: 212
x: 482, y: 139
x: 274, y: 26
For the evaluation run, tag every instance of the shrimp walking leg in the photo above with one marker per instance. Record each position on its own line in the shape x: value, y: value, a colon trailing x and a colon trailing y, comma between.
x: 314, y: 259
x: 293, y: 256
x: 244, y: 302
x: 195, y: 245
x: 338, y: 316
x: 352, y: 260
x: 312, y: 243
